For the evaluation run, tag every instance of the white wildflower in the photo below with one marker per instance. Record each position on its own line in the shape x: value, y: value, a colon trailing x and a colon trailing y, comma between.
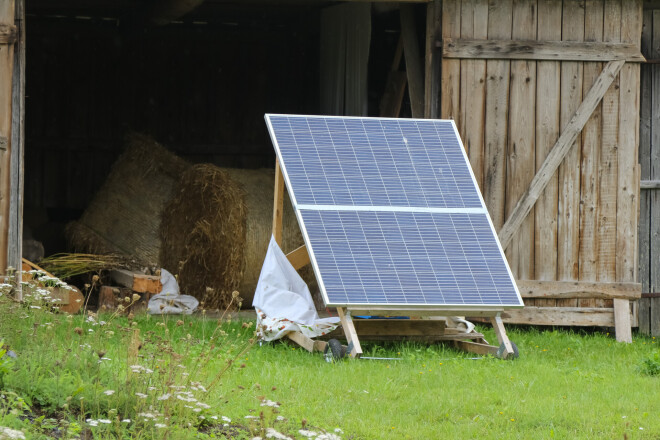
x: 160, y: 425
x: 141, y: 395
x: 105, y: 421
x: 165, y: 397
x: 11, y: 434
x: 267, y: 402
x: 339, y: 431
x: 272, y: 433
x: 226, y: 419
x: 197, y: 410
x: 328, y: 436
x: 279, y: 418
x: 92, y: 422
x: 126, y: 421
x: 203, y: 405
x: 109, y: 392
x: 251, y: 417
x: 152, y: 388
x: 35, y: 307
x: 306, y: 433
x: 147, y: 415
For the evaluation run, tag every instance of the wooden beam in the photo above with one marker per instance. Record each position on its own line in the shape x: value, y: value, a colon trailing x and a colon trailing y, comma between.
x: 349, y: 331
x: 649, y: 184
x: 299, y: 257
x: 622, y: 320
x: 559, y: 151
x: 413, y: 60
x: 540, y: 50
x: 573, y: 316
x: 15, y: 239
x: 7, y: 17
x: 476, y: 348
x: 278, y: 203
x: 578, y: 289
x: 136, y: 281
x: 432, y: 65
x: 8, y: 33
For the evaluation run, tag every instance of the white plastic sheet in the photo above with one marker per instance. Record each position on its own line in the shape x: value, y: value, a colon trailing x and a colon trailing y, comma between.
x: 169, y: 301
x: 283, y: 302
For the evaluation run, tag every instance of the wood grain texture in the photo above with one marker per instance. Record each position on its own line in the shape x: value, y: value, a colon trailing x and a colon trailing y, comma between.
x: 497, y: 114
x: 414, y: 69
x: 608, y: 167
x: 568, y: 226
x: 590, y: 158
x: 6, y: 84
x: 547, y: 133
x: 578, y: 289
x: 574, y: 316
x: 521, y: 162
x: 654, y: 161
x: 278, y: 203
x: 474, y: 23
x: 548, y: 50
x: 433, y: 62
x: 451, y: 69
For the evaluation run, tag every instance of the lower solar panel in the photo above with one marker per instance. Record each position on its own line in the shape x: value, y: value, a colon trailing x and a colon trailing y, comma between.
x: 403, y: 258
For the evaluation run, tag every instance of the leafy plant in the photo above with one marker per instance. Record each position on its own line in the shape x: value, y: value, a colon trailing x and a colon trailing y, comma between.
x: 5, y: 361
x: 651, y: 365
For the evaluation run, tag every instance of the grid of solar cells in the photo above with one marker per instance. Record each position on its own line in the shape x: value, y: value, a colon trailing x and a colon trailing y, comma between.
x: 408, y: 258
x: 374, y: 162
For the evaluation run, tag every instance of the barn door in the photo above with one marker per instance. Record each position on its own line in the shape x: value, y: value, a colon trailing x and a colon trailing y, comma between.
x: 649, y: 157
x: 545, y: 94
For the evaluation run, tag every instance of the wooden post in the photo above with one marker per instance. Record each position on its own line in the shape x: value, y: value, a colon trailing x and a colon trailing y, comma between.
x: 278, y: 203
x: 15, y: 250
x: 432, y: 64
x: 6, y: 83
x: 349, y: 331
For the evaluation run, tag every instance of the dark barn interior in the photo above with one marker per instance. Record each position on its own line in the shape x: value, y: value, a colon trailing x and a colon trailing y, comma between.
x: 199, y: 83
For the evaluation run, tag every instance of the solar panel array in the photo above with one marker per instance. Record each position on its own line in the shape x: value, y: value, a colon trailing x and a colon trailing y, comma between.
x: 391, y: 213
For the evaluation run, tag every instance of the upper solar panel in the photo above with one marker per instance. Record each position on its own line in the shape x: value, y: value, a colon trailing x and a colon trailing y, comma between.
x: 374, y: 162
x: 391, y: 213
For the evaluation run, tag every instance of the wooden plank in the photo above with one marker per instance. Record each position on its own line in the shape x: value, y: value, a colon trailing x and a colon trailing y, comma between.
x: 409, y: 311
x: 6, y: 148
x: 655, y: 316
x: 302, y: 340
x: 136, y: 281
x: 349, y: 331
x: 521, y: 162
x: 645, y: 184
x: 451, y: 69
x: 521, y: 49
x: 497, y: 114
x: 395, y: 86
x: 573, y: 316
x: 578, y: 289
x: 414, y: 68
x: 15, y: 251
x: 398, y: 327
x: 476, y: 348
x: 645, y: 316
x: 590, y: 159
x: 299, y: 257
x: 654, y: 162
x: 568, y: 226
x: 278, y: 203
x: 547, y: 132
x: 559, y: 151
x: 628, y: 183
x: 608, y: 166
x: 474, y: 22
x: 433, y: 62
x: 502, y: 337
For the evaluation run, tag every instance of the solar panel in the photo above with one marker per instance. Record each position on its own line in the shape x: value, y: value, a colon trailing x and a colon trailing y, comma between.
x: 391, y: 213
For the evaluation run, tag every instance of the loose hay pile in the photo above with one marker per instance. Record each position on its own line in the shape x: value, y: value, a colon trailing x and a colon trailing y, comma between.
x: 124, y: 215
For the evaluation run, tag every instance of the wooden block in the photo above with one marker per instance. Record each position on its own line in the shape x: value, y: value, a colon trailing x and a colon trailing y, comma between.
x: 622, y: 320
x: 137, y: 281
x: 108, y: 298
x: 578, y: 316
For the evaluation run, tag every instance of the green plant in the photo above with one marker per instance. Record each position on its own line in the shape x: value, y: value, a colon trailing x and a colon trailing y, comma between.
x: 651, y: 365
x: 5, y: 361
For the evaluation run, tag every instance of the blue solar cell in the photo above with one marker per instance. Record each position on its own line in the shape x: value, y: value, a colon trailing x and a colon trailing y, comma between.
x: 374, y: 162
x: 408, y: 258
x: 391, y: 213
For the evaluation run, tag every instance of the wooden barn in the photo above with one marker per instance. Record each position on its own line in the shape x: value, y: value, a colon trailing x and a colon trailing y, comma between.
x: 548, y: 96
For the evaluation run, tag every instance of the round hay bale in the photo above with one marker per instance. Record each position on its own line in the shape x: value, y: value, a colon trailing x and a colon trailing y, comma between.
x: 124, y: 215
x: 203, y: 235
x: 215, y: 232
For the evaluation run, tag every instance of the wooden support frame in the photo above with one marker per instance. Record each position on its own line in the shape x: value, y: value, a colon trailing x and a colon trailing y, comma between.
x: 300, y: 257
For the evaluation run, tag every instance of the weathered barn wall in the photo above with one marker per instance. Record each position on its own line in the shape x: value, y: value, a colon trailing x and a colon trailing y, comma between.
x: 511, y: 112
x: 649, y: 157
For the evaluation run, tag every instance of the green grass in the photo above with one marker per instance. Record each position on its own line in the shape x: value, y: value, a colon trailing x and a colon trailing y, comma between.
x: 566, y: 384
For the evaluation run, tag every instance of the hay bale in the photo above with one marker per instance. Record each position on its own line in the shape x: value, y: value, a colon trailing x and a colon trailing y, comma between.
x: 203, y: 235
x: 215, y: 232
x: 124, y: 215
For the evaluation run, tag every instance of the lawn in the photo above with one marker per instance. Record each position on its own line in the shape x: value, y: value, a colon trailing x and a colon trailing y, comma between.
x: 110, y: 376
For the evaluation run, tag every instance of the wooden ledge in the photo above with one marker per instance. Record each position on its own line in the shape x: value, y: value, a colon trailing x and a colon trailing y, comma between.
x: 578, y: 289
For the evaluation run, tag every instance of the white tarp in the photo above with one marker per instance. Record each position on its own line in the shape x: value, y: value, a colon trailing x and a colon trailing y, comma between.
x: 168, y: 301
x: 283, y: 302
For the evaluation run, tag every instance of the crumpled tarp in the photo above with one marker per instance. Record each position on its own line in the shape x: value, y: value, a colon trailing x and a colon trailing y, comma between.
x: 169, y: 301
x: 283, y: 302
